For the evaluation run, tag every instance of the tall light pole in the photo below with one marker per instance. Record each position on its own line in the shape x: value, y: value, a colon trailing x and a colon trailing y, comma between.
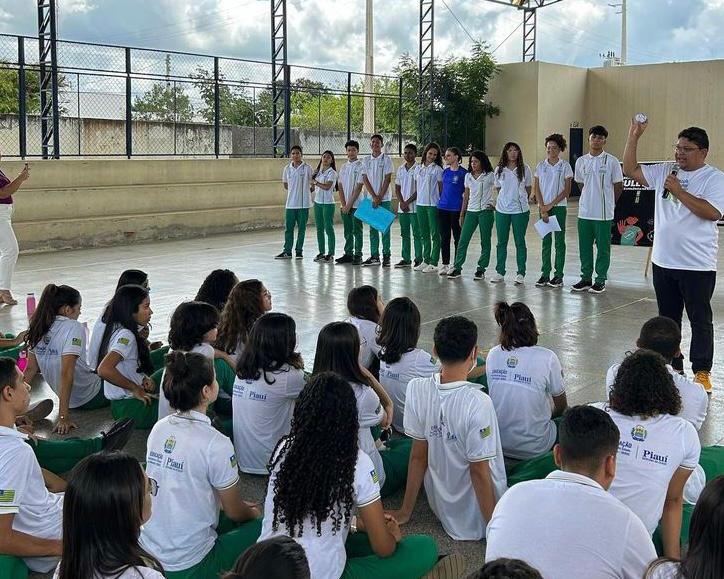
x: 369, y: 102
x: 624, y: 34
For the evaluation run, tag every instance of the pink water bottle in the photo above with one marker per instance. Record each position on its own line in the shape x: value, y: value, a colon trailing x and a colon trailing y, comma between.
x: 22, y: 362
x: 30, y: 304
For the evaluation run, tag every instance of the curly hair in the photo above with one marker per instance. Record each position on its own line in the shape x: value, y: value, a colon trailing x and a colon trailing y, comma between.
x: 316, y: 461
x: 558, y: 139
x: 503, y: 163
x: 644, y: 387
x: 242, y: 309
x: 190, y: 321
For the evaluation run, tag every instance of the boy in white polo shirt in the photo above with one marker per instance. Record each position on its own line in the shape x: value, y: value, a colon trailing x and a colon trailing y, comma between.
x: 601, y: 179
x: 377, y: 176
x: 349, y: 186
x: 456, y: 448
x: 297, y: 178
x: 567, y: 525
x: 406, y: 193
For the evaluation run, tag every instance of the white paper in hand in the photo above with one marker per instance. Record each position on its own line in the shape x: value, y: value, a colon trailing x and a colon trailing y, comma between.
x: 544, y: 228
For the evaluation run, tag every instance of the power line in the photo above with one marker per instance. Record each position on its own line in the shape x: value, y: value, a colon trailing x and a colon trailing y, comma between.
x: 470, y: 36
x: 506, y: 38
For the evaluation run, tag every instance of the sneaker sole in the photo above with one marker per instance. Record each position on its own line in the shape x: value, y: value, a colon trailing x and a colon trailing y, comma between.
x: 402, y: 266
x: 555, y: 286
x: 581, y: 290
x: 593, y: 291
x: 541, y: 284
x: 119, y: 435
x: 453, y: 276
x: 478, y: 278
x: 285, y: 257
x: 449, y: 567
x: 40, y: 410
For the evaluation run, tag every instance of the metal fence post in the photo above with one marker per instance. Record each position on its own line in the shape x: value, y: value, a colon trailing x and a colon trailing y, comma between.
x: 349, y: 106
x: 22, y: 115
x: 129, y: 106
x: 217, y: 109
x: 399, y: 119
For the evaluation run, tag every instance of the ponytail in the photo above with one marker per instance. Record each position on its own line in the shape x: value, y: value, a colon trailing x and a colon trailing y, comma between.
x: 52, y: 299
x: 517, y: 325
x: 185, y: 377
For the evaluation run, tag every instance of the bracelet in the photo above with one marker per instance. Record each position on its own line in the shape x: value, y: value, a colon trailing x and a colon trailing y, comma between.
x: 61, y: 417
x: 353, y: 524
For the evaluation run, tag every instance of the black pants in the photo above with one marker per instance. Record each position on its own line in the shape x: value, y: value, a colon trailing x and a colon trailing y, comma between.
x: 679, y: 289
x: 448, y: 221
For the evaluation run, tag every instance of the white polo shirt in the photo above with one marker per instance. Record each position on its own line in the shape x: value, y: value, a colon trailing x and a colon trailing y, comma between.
x: 407, y: 180
x: 458, y: 422
x: 350, y: 175
x: 22, y: 493
x: 326, y: 554
x: 649, y: 453
x: 298, y: 180
x: 190, y: 460
x: 567, y: 526
x: 481, y: 191
x: 322, y: 196
x: 368, y: 332
x: 598, y: 175
x: 94, y: 344
x: 512, y: 197
x: 694, y: 399
x: 394, y: 378
x: 263, y: 414
x: 67, y: 337
x: 123, y: 342
x: 552, y: 179
x: 369, y: 413
x: 376, y: 169
x: 130, y: 573
x: 429, y: 181
x: 164, y: 408
x: 682, y: 240
x: 521, y: 384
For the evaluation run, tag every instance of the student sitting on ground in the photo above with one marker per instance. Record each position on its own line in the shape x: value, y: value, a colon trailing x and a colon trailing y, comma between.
x: 194, y: 469
x: 107, y: 501
x: 216, y: 288
x: 523, y: 380
x: 506, y: 569
x: 571, y: 507
x: 304, y: 502
x: 456, y: 448
x: 269, y: 378
x: 365, y: 309
x: 278, y: 558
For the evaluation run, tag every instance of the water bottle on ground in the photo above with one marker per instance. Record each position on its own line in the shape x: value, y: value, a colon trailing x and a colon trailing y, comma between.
x: 30, y: 304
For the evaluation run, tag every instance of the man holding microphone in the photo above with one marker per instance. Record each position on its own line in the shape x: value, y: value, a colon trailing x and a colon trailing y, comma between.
x: 689, y: 200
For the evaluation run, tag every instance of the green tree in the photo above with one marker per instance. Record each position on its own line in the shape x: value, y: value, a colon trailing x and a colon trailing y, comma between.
x: 164, y: 102
x: 235, y: 106
x: 10, y: 88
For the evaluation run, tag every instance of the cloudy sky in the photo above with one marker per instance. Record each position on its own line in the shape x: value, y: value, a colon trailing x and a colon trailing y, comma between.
x: 330, y: 33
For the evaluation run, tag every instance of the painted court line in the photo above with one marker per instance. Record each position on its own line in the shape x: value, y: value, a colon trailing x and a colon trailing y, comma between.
x: 598, y: 315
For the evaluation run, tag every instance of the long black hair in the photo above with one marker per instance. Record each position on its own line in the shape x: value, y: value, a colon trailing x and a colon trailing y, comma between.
x: 280, y: 557
x: 517, y: 325
x: 362, y: 303
x: 189, y: 322
x: 242, y: 309
x: 271, y: 344
x: 338, y: 351
x: 317, y: 459
x: 319, y: 165
x: 503, y: 163
x: 216, y: 288
x: 485, y: 165
x: 120, y: 311
x: 52, y: 299
x: 399, y: 329
x: 102, y: 518
x: 133, y: 277
x: 185, y: 377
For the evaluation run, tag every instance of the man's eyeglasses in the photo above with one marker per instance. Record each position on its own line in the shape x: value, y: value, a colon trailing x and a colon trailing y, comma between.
x: 685, y: 150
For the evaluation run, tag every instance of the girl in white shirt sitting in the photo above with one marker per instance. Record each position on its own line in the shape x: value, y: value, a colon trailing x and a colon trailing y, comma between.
x: 365, y: 308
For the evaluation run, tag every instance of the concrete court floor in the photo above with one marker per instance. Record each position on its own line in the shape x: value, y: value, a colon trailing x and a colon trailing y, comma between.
x: 588, y: 332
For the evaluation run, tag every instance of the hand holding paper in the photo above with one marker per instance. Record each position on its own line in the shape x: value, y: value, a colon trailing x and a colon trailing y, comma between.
x: 544, y: 228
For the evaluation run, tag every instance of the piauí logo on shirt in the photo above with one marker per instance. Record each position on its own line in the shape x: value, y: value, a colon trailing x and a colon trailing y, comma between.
x: 169, y: 445
x: 512, y: 362
x: 638, y: 433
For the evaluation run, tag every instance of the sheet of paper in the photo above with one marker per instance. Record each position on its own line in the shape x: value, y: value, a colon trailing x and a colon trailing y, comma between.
x: 544, y: 228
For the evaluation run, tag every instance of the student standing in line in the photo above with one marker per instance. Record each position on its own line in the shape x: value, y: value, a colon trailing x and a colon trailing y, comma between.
x: 349, y: 186
x: 513, y: 182
x: 477, y: 213
x: 601, y: 179
x: 377, y: 176
x: 216, y: 288
x: 450, y: 204
x: 552, y: 187
x: 406, y: 193
x: 324, y: 179
x: 297, y: 179
x: 429, y: 188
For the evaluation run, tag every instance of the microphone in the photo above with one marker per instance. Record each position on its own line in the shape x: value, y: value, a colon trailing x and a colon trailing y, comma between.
x: 674, y: 172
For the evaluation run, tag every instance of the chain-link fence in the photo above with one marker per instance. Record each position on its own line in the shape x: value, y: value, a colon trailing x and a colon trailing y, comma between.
x: 120, y: 101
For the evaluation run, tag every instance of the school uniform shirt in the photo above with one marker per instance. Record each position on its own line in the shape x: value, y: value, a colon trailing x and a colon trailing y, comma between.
x: 322, y: 196
x: 683, y: 240
x: 298, y: 180
x: 369, y: 413
x: 649, y: 453
x: 263, y: 414
x: 566, y: 526
x: 164, y: 408
x: 453, y: 186
x: 459, y: 424
x: 552, y: 180
x: 521, y: 384
x: 429, y: 178
x: 67, y: 337
x: 94, y: 344
x: 394, y: 377
x: 481, y: 191
x: 376, y: 168
x: 123, y: 342
x: 598, y: 175
x: 190, y: 460
x: 694, y: 399
x: 38, y: 513
x: 407, y: 179
x: 350, y: 175
x: 512, y: 197
x: 368, y: 331
x: 130, y: 573
x: 325, y: 553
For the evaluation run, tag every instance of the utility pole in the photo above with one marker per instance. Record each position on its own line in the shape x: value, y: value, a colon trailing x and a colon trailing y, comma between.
x: 369, y: 102
x: 624, y: 34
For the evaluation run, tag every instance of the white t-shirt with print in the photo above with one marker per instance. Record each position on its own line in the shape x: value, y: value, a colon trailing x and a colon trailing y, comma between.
x: 429, y: 181
x: 263, y: 414
x: 67, y: 337
x: 521, y: 384
x: 298, y: 180
x: 326, y: 554
x: 368, y: 332
x: 682, y: 240
x: 350, y: 175
x: 376, y: 169
x: 598, y: 175
x: 552, y: 179
x: 38, y: 513
x: 567, y: 526
x: 459, y: 424
x: 394, y: 378
x: 190, y: 461
x: 512, y: 197
x: 407, y: 180
x: 649, y: 453
x: 481, y: 191
x: 369, y: 413
x: 123, y: 342
x: 164, y: 408
x: 130, y: 573
x: 322, y: 196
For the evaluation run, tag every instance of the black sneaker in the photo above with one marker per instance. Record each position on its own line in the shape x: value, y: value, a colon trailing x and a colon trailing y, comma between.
x: 543, y: 281
x: 320, y: 257
x: 479, y: 274
x: 329, y: 258
x: 40, y: 410
x: 344, y: 259
x: 118, y: 434
x: 556, y: 282
x: 357, y: 260
x: 453, y: 273
x: 402, y: 263
x: 416, y: 262
x: 597, y: 288
x: 582, y: 286
x: 283, y: 255
x: 372, y: 260
x: 299, y: 256
x: 386, y: 261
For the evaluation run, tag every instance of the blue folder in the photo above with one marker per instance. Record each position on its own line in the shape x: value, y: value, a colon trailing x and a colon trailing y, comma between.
x: 379, y: 218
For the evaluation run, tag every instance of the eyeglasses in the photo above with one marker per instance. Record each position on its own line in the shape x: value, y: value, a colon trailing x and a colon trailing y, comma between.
x: 685, y: 150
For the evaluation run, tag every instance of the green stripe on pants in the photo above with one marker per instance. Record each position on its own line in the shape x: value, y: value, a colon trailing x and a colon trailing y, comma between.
x: 386, y: 237
x: 324, y: 223
x: 482, y: 220
x: 395, y: 460
x: 598, y: 232
x: 409, y: 221
x: 414, y: 556
x: 429, y: 234
x: 292, y: 218
x: 560, y: 214
x: 61, y: 455
x: 519, y: 223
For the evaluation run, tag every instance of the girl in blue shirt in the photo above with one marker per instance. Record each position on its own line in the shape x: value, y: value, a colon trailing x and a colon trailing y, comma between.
x: 450, y: 204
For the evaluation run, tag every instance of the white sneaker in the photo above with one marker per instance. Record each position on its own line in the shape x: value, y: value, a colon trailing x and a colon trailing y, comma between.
x: 420, y: 267
x: 496, y: 278
x: 519, y: 280
x: 430, y: 269
x: 443, y: 269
